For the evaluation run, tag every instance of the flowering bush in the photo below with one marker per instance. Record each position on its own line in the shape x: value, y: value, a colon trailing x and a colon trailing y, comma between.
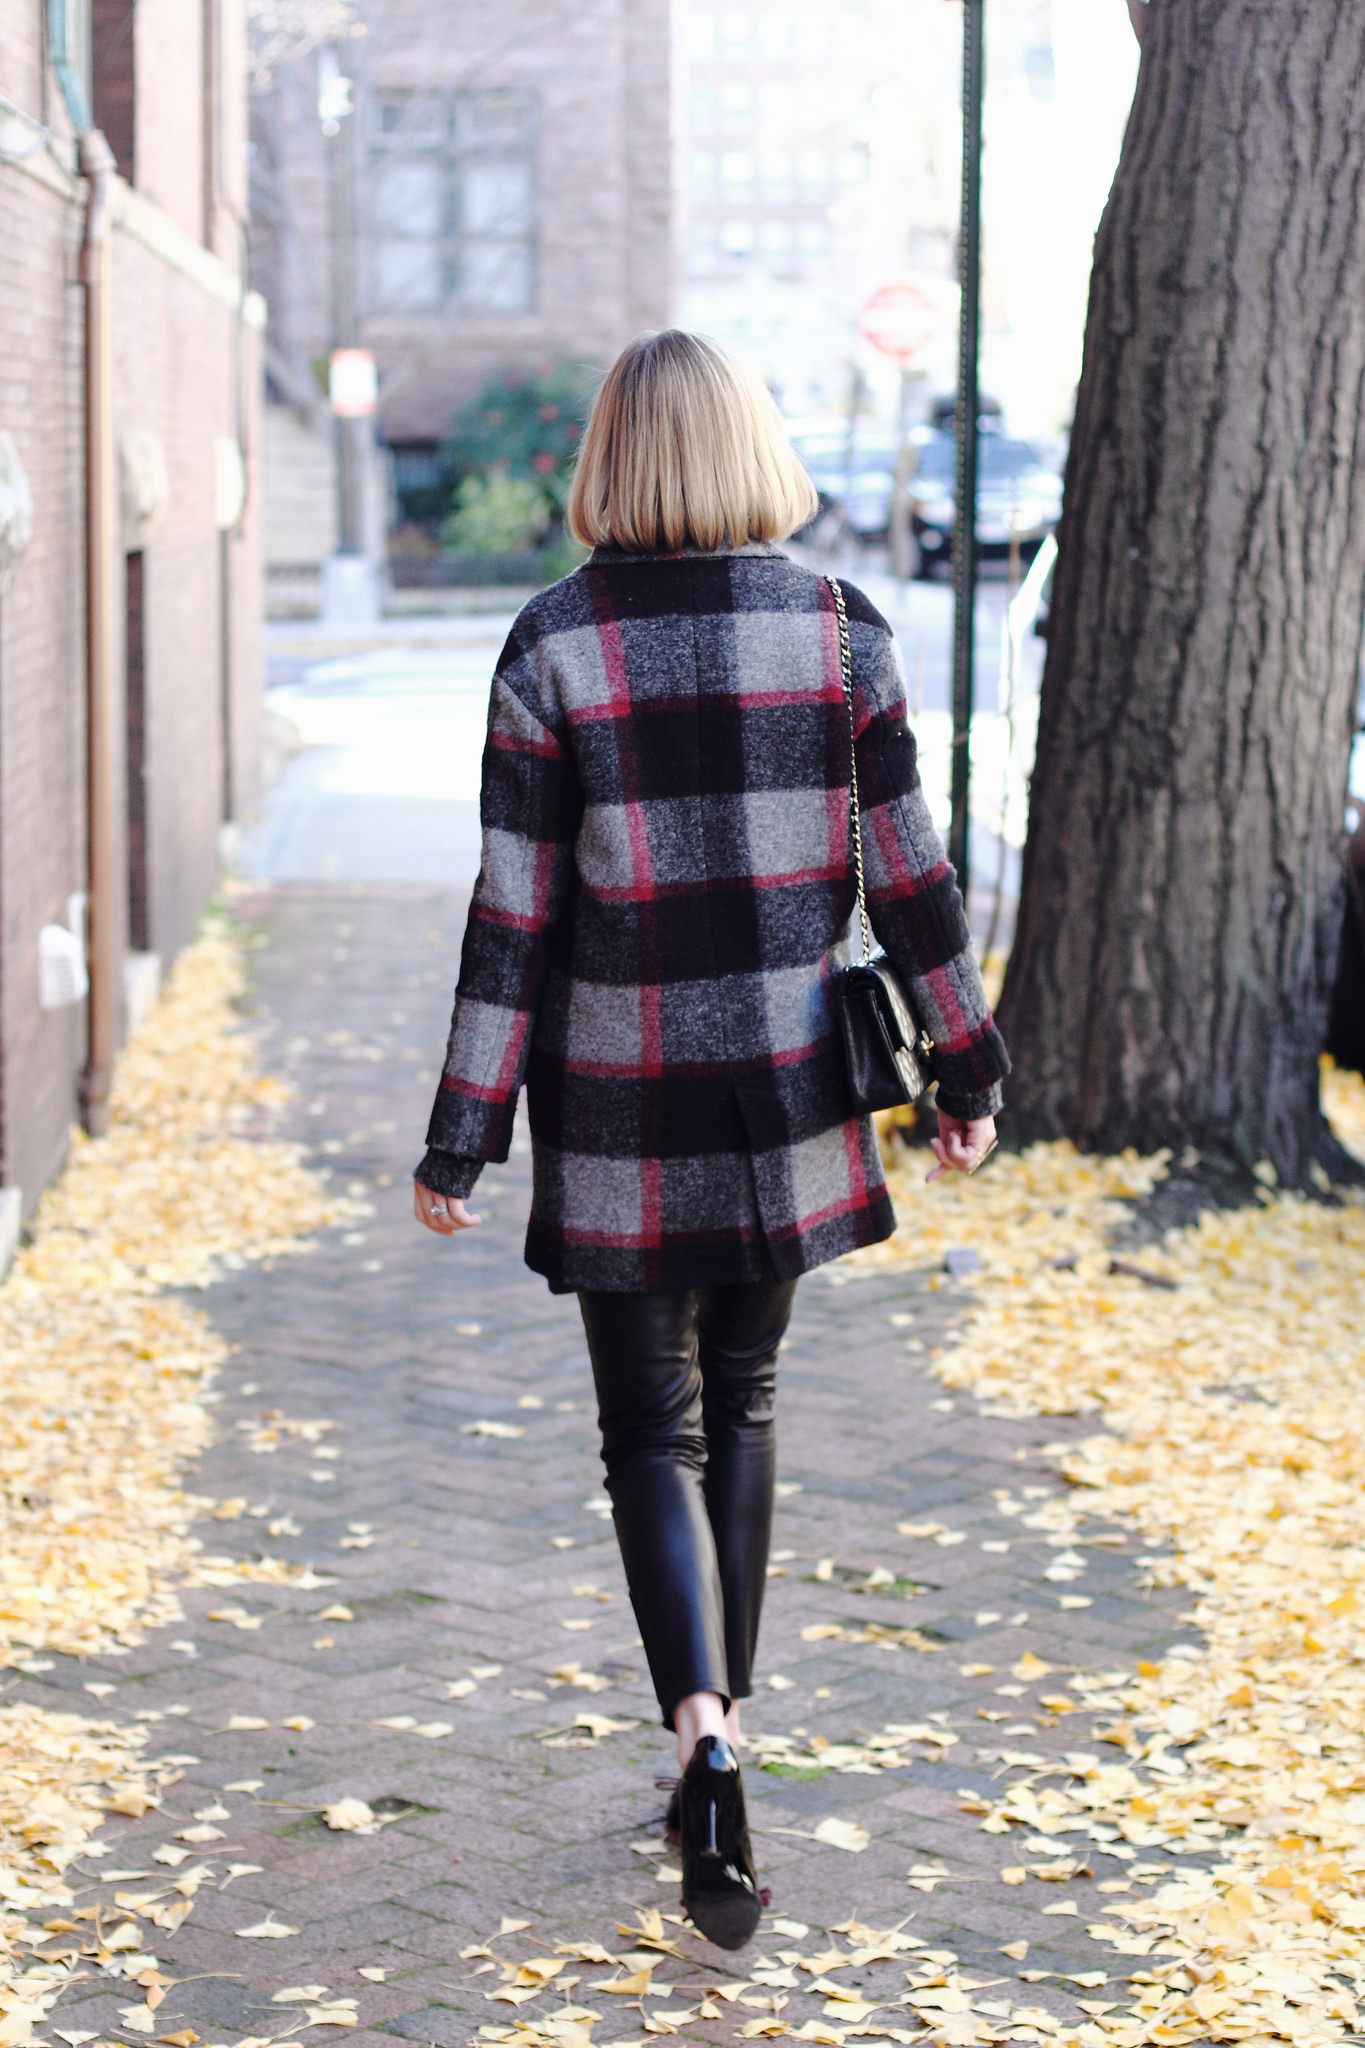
x: 526, y: 426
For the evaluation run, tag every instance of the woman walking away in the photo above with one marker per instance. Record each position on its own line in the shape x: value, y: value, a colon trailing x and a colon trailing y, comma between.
x: 662, y: 910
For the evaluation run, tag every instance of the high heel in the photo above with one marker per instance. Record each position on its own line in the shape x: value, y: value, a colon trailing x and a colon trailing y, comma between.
x: 719, y: 1889
x: 673, y: 1810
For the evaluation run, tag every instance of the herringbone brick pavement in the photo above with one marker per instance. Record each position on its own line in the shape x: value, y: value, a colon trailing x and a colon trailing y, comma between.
x: 452, y: 1506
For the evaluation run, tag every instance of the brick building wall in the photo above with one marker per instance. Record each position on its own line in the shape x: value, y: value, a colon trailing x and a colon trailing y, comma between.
x: 187, y: 341
x: 448, y: 101
x: 42, y: 653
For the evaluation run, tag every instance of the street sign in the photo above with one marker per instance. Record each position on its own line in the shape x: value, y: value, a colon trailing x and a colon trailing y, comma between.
x: 352, y: 383
x: 903, y: 321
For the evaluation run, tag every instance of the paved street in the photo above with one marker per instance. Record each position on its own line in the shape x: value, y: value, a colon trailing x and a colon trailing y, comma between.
x: 469, y: 1611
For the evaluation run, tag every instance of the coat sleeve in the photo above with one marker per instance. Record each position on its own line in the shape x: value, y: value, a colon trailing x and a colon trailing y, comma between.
x: 915, y: 907
x: 530, y: 808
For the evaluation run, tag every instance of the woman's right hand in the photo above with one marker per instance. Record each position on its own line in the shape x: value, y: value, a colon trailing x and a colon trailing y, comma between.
x: 961, y: 1147
x: 445, y: 1214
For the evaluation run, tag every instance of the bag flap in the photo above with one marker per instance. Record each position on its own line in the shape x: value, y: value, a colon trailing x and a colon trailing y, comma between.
x: 900, y: 1018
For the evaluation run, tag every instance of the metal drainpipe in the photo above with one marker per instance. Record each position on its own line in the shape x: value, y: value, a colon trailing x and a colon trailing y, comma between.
x: 102, y: 693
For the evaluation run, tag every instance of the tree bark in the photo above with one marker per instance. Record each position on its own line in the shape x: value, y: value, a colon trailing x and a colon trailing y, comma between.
x: 1182, y: 888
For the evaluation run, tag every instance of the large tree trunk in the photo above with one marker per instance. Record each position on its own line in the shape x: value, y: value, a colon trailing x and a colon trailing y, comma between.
x: 1182, y: 891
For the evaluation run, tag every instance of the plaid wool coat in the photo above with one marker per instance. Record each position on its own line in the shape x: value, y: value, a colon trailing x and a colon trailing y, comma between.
x: 665, y: 894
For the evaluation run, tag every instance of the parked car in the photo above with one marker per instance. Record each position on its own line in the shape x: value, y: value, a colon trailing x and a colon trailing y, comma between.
x: 1019, y: 499
x: 1017, y: 494
x: 847, y: 476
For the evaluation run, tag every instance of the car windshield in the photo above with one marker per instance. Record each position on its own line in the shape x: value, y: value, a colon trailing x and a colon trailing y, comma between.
x: 828, y: 456
x: 1001, y: 460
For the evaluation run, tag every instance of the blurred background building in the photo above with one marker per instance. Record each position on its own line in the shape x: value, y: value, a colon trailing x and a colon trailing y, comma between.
x: 819, y: 158
x: 469, y: 193
x: 174, y: 545
x: 477, y: 199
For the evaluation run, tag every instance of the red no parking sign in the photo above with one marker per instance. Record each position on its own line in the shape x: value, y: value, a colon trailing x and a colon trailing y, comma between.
x: 901, y: 321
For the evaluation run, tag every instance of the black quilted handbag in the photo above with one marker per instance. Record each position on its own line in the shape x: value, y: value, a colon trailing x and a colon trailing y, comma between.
x: 886, y: 1049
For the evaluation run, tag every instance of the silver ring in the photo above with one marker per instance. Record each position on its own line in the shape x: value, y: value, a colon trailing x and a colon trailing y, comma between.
x: 439, y: 1209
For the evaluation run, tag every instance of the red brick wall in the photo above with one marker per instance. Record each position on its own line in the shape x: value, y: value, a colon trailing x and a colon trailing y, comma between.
x: 187, y: 369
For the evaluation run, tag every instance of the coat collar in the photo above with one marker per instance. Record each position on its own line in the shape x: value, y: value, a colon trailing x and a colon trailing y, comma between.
x: 613, y: 556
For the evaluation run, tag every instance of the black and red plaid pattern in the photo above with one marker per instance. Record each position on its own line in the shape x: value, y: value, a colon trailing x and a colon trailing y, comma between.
x: 665, y: 893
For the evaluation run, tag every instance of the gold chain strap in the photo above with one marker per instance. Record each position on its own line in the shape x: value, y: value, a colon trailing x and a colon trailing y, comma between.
x: 855, y: 808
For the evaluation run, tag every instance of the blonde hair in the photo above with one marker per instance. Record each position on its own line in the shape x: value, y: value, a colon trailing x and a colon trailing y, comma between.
x: 685, y: 448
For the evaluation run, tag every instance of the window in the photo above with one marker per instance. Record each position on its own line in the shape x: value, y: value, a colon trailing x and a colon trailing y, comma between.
x: 702, y: 245
x: 421, y: 484
x: 812, y: 38
x: 408, y: 234
x: 737, y: 99
x: 737, y: 167
x: 777, y: 31
x: 114, y: 83
x: 700, y: 33
x: 702, y: 171
x: 777, y: 237
x: 737, y: 236
x: 453, y: 202
x: 776, y: 166
x: 1040, y: 69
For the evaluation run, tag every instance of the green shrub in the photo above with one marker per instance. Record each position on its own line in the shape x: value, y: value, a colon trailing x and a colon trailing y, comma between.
x: 496, y: 514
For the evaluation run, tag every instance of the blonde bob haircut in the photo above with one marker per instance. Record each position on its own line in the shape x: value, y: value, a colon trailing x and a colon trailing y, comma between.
x: 684, y: 448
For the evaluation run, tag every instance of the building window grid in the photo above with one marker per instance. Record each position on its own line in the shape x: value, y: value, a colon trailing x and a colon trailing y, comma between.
x: 454, y: 202
x: 749, y: 202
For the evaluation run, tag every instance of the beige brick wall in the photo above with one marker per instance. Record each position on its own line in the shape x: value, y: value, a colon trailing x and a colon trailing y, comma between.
x: 175, y: 372
x: 42, y: 681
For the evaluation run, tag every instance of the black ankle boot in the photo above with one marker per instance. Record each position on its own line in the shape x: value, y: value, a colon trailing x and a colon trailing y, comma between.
x: 719, y: 1888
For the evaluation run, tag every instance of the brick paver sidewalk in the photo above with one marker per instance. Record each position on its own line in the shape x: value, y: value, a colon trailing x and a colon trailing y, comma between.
x: 455, y: 1499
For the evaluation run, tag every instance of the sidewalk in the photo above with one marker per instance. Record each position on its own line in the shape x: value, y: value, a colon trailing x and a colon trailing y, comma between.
x: 471, y: 1668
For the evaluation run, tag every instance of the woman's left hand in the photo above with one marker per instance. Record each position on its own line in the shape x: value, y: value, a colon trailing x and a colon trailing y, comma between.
x: 445, y: 1214
x: 961, y: 1147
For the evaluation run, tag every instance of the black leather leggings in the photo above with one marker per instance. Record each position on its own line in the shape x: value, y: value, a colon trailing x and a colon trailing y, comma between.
x: 686, y: 1382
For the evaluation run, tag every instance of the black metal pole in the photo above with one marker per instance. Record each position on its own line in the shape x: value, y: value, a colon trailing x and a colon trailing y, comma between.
x: 968, y: 410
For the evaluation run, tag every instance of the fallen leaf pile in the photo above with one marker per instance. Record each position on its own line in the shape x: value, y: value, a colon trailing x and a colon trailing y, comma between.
x: 1236, y: 1409
x: 888, y: 1751
x: 184, y: 1186
x: 927, y: 2001
x: 102, y: 1383
x: 102, y: 1374
x: 59, y: 1776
